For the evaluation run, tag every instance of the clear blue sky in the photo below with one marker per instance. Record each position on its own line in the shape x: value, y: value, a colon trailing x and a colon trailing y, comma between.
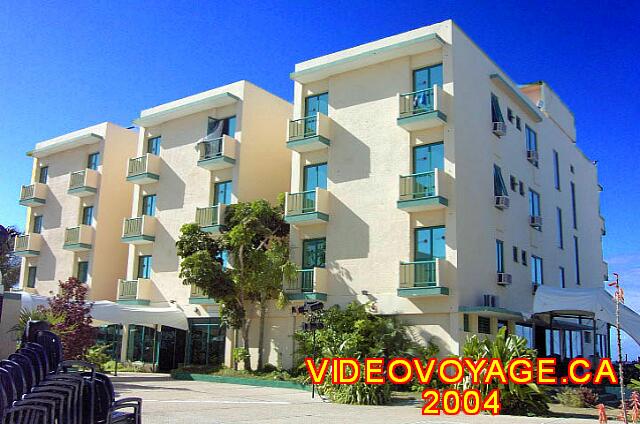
x: 65, y: 67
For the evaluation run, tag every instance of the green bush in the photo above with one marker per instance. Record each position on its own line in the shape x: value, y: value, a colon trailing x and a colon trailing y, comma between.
x: 97, y: 355
x: 517, y: 399
x: 577, y: 397
x: 352, y: 332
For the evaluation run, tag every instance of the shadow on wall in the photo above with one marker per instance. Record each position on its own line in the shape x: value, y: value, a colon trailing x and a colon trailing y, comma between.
x: 357, y: 244
x: 350, y: 158
x: 165, y: 255
x: 173, y: 186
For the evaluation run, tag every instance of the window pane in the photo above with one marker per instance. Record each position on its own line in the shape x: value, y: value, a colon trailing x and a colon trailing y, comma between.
x: 313, y: 253
x: 222, y: 193
x: 37, y: 224
x: 315, y: 176
x: 499, y: 256
x: 556, y: 169
x: 149, y: 205
x: 44, y: 175
x: 144, y: 266
x: 87, y: 215
x: 31, y: 277
x: 83, y: 270
x: 559, y: 237
x: 428, y: 157
x: 93, y: 161
x: 153, y: 145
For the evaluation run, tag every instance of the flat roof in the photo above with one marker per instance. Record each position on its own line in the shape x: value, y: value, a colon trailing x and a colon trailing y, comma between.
x: 85, y: 136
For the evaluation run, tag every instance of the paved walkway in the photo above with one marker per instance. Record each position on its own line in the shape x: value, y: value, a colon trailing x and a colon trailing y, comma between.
x: 168, y: 401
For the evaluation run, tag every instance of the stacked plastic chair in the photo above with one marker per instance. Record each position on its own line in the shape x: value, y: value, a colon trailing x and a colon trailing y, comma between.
x: 37, y: 386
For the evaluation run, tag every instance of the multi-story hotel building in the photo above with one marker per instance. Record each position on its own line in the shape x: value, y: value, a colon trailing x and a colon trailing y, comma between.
x: 421, y: 180
x: 428, y: 183
x: 195, y: 156
x: 75, y: 202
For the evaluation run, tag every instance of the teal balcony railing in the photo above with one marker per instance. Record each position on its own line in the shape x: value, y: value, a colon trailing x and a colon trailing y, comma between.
x: 299, y: 203
x: 418, y: 274
x: 302, y: 283
x: 210, y: 148
x: 207, y: 217
x: 416, y: 102
x: 417, y: 186
x: 304, y: 127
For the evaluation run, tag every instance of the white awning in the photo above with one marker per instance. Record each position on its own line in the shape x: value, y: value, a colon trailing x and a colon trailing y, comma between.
x: 116, y: 313
x: 576, y: 301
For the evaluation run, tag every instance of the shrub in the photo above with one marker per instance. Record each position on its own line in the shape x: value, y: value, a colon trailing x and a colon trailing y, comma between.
x: 528, y: 399
x: 352, y: 332
x: 577, y: 397
x: 97, y: 355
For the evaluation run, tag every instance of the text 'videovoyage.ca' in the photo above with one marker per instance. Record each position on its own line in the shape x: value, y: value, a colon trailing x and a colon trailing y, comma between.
x: 452, y: 371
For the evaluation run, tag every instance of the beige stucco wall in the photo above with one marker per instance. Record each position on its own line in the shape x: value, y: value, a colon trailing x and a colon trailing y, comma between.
x: 107, y: 258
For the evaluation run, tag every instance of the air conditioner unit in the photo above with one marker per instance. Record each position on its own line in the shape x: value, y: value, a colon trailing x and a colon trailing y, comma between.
x: 504, y: 279
x: 502, y: 202
x: 532, y: 156
x: 535, y: 221
x: 500, y: 128
x: 490, y: 300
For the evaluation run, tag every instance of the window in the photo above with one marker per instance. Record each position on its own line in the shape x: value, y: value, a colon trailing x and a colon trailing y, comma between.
x: 587, y: 336
x: 524, y: 257
x: 149, y: 205
x: 465, y: 322
x: 37, y: 224
x: 499, y: 256
x: 141, y: 343
x: 518, y: 124
x: 216, y: 128
x: 316, y: 103
x: 536, y: 271
x: 83, y: 271
x: 573, y: 205
x: 313, y: 253
x: 429, y: 243
x: 153, y: 145
x: 510, y: 115
x: 534, y: 203
x: 525, y: 332
x: 43, y: 176
x: 556, y: 170
x: 499, y: 187
x: 552, y: 342
x: 514, y: 183
x: 521, y: 188
x: 572, y: 169
x: 222, y: 193
x: 87, y: 215
x: 496, y: 113
x: 31, y: 277
x: 93, y: 161
x: 315, y: 176
x: 561, y: 276
x: 428, y: 157
x: 426, y: 78
x: 531, y: 139
x: 484, y: 325
x: 223, y: 256
x: 559, y: 237
x: 576, y: 253
x: 515, y: 254
x: 144, y: 266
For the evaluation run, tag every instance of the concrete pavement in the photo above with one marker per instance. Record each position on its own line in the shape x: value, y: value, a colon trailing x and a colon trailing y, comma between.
x: 168, y: 401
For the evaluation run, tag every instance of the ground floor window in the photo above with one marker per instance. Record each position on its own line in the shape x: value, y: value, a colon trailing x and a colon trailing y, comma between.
x: 205, y: 341
x: 601, y: 345
x: 141, y: 344
x: 110, y: 335
x: 484, y: 325
x: 526, y: 332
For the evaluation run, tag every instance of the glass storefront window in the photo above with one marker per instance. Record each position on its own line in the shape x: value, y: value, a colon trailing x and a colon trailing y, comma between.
x: 205, y: 344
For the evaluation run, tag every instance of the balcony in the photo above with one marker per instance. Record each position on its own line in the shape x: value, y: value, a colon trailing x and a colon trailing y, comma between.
x: 310, y: 133
x: 423, y: 192
x: 423, y: 109
x: 83, y: 183
x: 135, y: 292
x: 139, y: 230
x: 422, y: 279
x: 197, y: 297
x: 78, y: 238
x: 211, y: 218
x: 310, y: 284
x: 27, y: 245
x: 144, y: 169
x: 307, y: 208
x: 217, y: 153
x: 33, y: 194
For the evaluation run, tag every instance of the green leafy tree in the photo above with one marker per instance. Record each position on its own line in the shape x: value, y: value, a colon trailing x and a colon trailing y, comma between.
x: 256, y: 238
x: 9, y: 263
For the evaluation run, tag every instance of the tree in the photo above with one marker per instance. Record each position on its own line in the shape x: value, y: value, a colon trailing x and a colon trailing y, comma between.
x: 256, y: 238
x: 9, y: 263
x: 75, y: 330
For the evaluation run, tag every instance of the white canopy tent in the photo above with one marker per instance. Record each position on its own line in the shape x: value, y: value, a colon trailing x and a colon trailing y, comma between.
x: 577, y: 301
x: 115, y: 313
